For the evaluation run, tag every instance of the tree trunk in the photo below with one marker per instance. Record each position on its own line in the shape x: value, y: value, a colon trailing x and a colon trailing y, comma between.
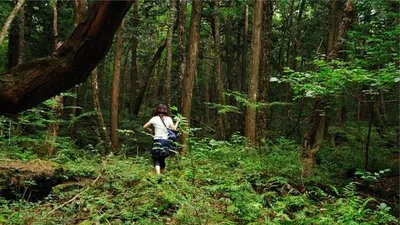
x: 168, y: 67
x: 250, y: 130
x: 146, y: 78
x: 21, y: 43
x: 315, y: 132
x: 264, y: 66
x: 313, y: 137
x: 9, y: 19
x: 343, y: 28
x: 69, y: 65
x: 221, y: 120
x: 207, y: 85
x: 190, y: 71
x: 99, y: 115
x: 134, y: 68
x: 58, y: 105
x: 298, y: 35
x: 115, y: 89
x: 245, y: 47
x: 181, y: 45
x: 80, y: 8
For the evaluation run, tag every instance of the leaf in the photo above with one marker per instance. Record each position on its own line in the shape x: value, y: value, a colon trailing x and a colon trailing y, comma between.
x: 273, y: 79
x: 397, y: 79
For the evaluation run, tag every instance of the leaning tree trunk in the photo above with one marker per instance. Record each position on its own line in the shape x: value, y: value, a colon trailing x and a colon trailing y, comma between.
x: 315, y: 132
x: 99, y: 115
x: 115, y: 89
x: 147, y: 76
x: 250, y: 129
x: 9, y: 19
x: 264, y: 67
x: 31, y: 83
x: 190, y: 71
x: 221, y: 120
x: 168, y: 67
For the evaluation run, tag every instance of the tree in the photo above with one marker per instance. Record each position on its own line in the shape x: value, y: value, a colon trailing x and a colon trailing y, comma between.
x: 10, y: 18
x: 115, y: 89
x: 80, y: 8
x: 181, y: 43
x: 217, y: 70
x: 312, y: 139
x: 250, y: 130
x: 97, y: 108
x: 190, y: 71
x: 266, y: 43
x: 168, y: 68
x: 134, y: 67
x: 69, y: 65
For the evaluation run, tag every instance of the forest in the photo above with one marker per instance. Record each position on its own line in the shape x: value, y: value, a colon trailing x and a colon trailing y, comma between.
x: 285, y: 111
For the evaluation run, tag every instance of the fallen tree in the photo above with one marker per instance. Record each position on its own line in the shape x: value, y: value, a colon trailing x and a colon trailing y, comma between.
x: 31, y: 83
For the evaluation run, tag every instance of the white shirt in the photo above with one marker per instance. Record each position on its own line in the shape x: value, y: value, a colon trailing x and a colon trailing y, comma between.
x: 160, y: 132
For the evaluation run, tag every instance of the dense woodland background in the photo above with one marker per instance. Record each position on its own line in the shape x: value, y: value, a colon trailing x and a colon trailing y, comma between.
x: 289, y: 108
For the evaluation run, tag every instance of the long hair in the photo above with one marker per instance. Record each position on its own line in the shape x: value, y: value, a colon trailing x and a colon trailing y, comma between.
x: 161, y: 109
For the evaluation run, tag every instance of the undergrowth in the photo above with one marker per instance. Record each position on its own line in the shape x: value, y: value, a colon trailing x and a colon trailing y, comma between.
x: 217, y: 182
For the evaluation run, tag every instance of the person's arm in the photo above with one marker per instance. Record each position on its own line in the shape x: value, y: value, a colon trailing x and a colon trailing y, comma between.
x: 175, y: 126
x: 147, y: 126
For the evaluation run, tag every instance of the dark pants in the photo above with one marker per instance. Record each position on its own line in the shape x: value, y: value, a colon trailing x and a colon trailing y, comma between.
x: 160, y: 152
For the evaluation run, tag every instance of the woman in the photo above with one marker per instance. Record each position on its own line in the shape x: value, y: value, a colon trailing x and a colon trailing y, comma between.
x: 161, y: 146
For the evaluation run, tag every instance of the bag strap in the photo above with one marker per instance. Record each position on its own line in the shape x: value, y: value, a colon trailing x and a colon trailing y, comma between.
x: 163, y: 123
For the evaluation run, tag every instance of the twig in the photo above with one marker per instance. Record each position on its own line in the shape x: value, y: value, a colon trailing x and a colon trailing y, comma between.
x: 75, y: 197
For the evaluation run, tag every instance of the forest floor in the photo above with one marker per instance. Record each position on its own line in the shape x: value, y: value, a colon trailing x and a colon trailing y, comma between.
x: 217, y: 183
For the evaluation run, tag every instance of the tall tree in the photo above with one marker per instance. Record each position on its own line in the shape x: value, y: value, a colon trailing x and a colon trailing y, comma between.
x: 181, y: 43
x: 245, y: 47
x: 217, y: 70
x: 191, y: 67
x: 80, y: 8
x: 115, y: 89
x: 134, y: 67
x: 250, y: 130
x: 21, y: 44
x: 265, y: 66
x: 312, y: 139
x: 9, y: 20
x: 58, y: 99
x: 168, y: 67
x: 97, y: 108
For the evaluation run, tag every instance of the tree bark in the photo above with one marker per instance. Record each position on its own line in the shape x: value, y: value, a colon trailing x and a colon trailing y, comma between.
x: 181, y: 45
x: 30, y: 83
x: 315, y: 132
x: 190, y: 71
x: 147, y: 76
x: 264, y: 66
x: 80, y: 8
x: 9, y: 19
x: 168, y: 67
x: 298, y: 35
x: 99, y: 115
x: 221, y: 120
x: 134, y: 67
x: 313, y: 137
x: 250, y: 129
x: 245, y: 47
x: 21, y: 43
x: 58, y: 104
x: 115, y: 89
